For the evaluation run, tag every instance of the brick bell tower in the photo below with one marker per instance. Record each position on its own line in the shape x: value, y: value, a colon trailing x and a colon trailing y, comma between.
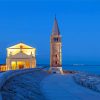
x: 55, y: 50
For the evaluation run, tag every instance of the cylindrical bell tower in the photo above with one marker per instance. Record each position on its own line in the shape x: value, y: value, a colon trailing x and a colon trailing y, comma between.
x: 55, y: 50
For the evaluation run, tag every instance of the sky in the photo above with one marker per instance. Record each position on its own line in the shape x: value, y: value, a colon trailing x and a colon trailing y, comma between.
x: 31, y: 22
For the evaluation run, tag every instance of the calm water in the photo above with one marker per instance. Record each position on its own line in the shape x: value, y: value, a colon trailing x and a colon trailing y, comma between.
x: 89, y: 69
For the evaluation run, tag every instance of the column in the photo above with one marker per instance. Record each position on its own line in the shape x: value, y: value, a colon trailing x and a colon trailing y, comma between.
x: 30, y: 63
x: 10, y: 66
x: 16, y: 65
x: 24, y: 65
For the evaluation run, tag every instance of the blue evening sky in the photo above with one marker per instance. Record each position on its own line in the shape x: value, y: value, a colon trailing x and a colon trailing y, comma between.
x: 31, y: 22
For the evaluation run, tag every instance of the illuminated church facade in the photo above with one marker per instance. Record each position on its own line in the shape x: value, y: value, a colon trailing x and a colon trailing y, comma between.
x: 20, y: 56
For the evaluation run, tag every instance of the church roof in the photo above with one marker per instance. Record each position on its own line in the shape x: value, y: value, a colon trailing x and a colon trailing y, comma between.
x: 20, y: 45
x: 55, y: 29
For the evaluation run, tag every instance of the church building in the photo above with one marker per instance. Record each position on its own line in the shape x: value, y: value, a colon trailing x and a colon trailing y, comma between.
x: 20, y: 56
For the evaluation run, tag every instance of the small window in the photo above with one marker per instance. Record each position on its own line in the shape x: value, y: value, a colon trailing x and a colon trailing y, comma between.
x: 56, y: 55
x: 56, y: 62
x: 55, y: 39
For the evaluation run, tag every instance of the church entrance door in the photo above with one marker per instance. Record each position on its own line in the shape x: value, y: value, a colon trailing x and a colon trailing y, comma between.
x: 20, y: 64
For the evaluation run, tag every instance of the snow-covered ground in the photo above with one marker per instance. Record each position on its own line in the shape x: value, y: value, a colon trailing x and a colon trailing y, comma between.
x: 88, y: 80
x: 39, y: 85
x: 63, y: 87
x: 24, y: 87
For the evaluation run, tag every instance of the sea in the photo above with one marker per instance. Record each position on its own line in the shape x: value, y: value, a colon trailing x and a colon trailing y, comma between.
x: 92, y: 69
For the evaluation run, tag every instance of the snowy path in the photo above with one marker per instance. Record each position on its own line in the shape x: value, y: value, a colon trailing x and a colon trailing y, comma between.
x: 63, y: 87
x: 24, y: 87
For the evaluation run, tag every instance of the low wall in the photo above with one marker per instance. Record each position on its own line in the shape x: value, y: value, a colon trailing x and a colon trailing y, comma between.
x: 5, y: 76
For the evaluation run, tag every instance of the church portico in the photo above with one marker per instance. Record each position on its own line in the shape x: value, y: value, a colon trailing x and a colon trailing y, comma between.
x: 20, y: 64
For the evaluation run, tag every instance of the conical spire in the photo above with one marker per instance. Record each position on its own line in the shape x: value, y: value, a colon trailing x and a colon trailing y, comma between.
x: 55, y: 29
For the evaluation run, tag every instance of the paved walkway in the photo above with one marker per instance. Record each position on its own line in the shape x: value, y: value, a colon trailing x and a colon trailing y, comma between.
x: 63, y: 87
